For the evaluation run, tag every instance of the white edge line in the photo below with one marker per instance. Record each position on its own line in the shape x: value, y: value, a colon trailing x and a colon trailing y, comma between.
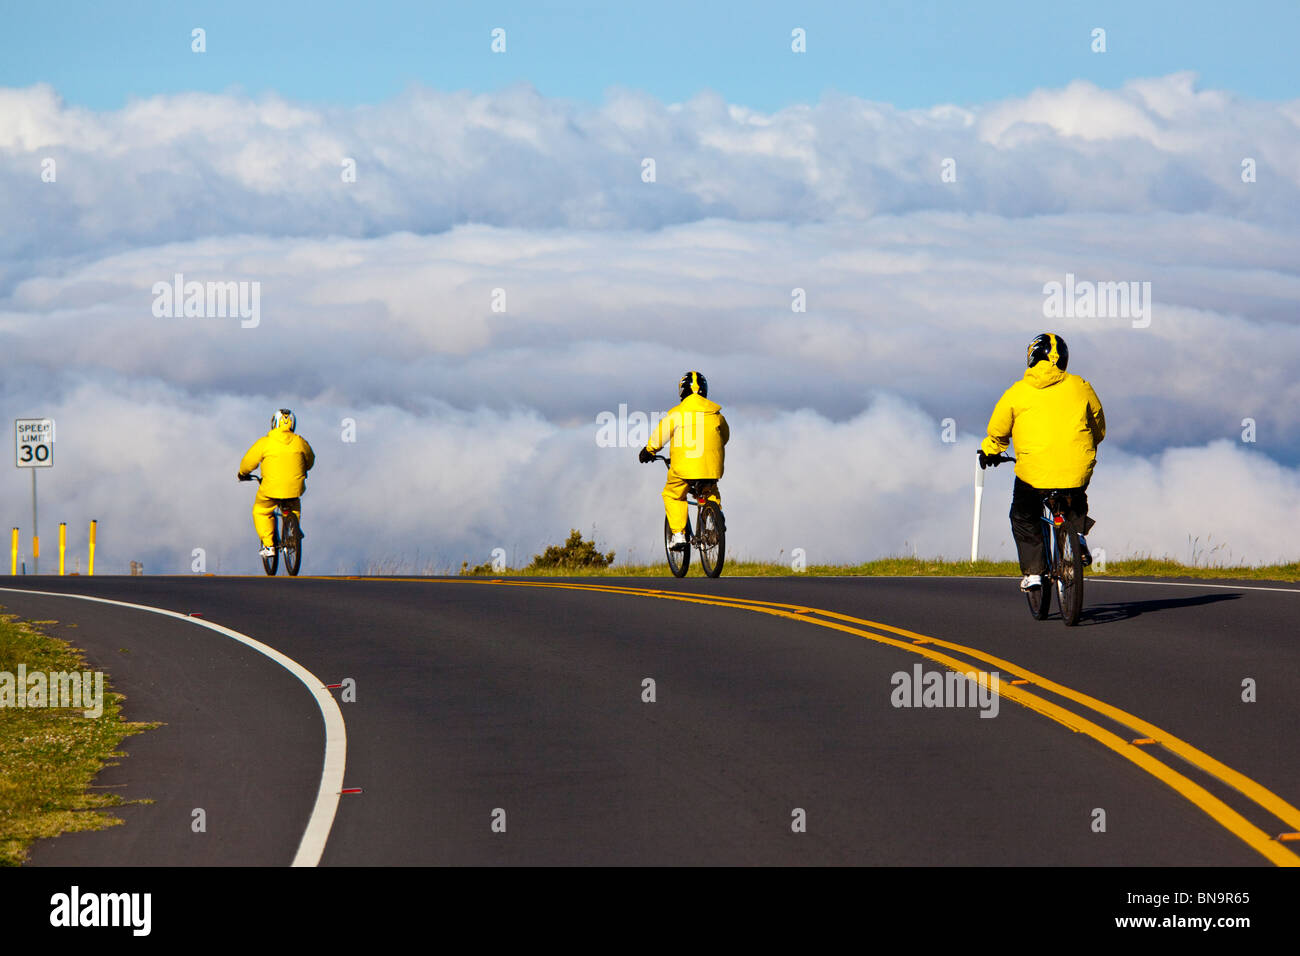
x: 1190, y: 584
x: 312, y: 845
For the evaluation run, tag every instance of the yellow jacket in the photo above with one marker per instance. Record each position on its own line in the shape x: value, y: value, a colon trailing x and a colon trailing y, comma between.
x: 698, y: 433
x: 1055, y: 421
x: 285, y: 458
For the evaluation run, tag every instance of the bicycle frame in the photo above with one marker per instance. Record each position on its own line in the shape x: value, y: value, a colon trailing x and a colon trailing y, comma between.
x: 1051, y: 519
x: 710, y: 543
x: 291, y: 550
x: 1064, y: 573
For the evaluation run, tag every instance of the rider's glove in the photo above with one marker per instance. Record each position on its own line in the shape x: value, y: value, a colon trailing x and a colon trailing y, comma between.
x: 646, y: 456
x: 986, y: 460
x: 243, y: 477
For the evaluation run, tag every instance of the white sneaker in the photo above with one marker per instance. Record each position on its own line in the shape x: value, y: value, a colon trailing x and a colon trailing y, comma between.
x: 678, y: 541
x: 267, y: 552
x: 1031, y: 581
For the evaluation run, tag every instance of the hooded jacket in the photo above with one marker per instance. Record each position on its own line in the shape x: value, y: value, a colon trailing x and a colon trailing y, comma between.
x: 285, y: 458
x: 698, y: 433
x: 1055, y: 420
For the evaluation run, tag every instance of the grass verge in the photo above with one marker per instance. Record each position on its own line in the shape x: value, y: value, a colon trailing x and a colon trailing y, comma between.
x: 49, y: 756
x: 902, y: 567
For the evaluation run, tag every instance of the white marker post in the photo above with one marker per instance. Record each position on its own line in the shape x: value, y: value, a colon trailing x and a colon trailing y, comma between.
x: 34, y: 448
x: 979, y: 496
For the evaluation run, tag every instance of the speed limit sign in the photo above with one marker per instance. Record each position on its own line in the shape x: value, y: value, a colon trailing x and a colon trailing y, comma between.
x: 34, y: 443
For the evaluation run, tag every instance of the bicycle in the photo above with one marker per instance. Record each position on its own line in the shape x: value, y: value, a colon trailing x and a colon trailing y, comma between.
x: 286, y: 538
x: 1064, y: 556
x: 711, y: 539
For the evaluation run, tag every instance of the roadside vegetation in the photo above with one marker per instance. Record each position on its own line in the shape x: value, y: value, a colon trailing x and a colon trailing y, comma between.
x: 580, y: 558
x: 49, y: 757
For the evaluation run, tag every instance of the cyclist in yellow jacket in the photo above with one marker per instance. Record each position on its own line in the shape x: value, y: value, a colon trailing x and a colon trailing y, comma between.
x: 285, y: 459
x: 1056, y: 422
x: 698, y: 433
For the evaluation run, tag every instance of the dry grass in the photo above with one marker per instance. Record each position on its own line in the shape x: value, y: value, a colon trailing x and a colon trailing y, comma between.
x: 50, y: 756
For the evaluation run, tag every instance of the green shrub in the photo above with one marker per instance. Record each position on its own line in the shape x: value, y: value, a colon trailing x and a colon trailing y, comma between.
x: 574, y: 553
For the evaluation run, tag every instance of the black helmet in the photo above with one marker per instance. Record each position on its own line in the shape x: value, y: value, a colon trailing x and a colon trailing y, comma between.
x: 1048, y: 346
x: 693, y: 382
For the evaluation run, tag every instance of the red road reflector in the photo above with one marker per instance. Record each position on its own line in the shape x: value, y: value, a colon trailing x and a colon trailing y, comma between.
x: 1143, y: 741
x: 1288, y: 837
x: 195, y: 614
x: 1020, y: 680
x: 333, y: 686
x: 922, y: 641
x: 351, y: 790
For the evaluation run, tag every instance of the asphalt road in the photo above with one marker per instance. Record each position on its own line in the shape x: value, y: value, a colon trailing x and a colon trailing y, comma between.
x: 481, y: 704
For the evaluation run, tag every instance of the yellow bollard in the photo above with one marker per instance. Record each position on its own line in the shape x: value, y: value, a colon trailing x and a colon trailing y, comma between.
x: 63, y: 544
x: 91, y: 568
x: 13, y: 554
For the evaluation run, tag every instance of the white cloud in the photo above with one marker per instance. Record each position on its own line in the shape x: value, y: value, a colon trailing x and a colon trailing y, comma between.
x: 179, y: 167
x: 420, y: 492
x: 376, y: 305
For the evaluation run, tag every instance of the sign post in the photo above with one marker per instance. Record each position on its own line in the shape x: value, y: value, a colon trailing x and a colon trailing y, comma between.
x: 34, y: 448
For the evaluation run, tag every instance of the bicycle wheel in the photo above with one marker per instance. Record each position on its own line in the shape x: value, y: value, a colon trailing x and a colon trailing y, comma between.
x: 678, y: 561
x: 1040, y: 600
x: 292, y: 545
x: 1069, y: 579
x: 712, y: 538
x: 273, y: 562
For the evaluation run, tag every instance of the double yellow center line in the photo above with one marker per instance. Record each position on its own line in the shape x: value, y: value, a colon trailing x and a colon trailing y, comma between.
x: 1138, y: 750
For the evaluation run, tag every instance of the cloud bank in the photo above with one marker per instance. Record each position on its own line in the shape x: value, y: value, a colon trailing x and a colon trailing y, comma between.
x: 476, y: 426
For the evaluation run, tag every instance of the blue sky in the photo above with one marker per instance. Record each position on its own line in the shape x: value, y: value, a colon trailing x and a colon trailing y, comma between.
x: 910, y: 54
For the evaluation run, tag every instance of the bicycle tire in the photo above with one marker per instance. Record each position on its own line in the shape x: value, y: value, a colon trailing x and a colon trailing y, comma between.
x: 292, y: 546
x: 1069, y: 580
x: 1040, y: 600
x: 712, y: 538
x: 272, y: 563
x: 678, y: 561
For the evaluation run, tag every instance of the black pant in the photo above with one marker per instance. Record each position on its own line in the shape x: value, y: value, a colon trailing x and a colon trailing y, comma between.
x: 1027, y: 525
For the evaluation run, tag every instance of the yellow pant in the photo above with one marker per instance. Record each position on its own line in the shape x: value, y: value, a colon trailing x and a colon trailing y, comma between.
x: 262, y: 520
x: 675, y: 506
